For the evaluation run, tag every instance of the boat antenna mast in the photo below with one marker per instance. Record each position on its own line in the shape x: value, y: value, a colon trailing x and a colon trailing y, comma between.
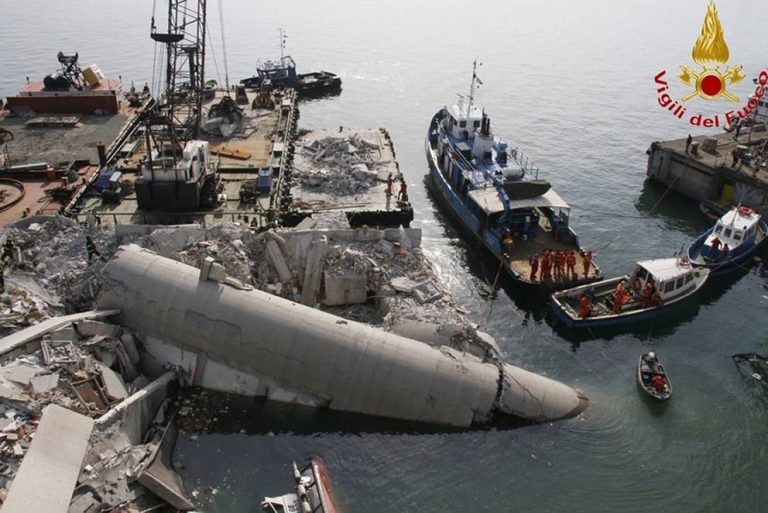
x: 472, y: 86
x: 283, y: 36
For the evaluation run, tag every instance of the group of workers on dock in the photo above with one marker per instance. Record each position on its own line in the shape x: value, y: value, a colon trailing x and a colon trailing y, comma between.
x: 558, y: 265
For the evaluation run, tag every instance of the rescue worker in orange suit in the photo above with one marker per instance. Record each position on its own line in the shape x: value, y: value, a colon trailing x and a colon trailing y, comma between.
x: 647, y: 294
x: 726, y: 250
x: 618, y: 298
x: 585, y: 306
x: 546, y: 265
x: 559, y: 260
x: 402, y: 195
x: 587, y: 257
x: 715, y: 247
x: 534, y: 263
x: 659, y: 382
x: 570, y: 262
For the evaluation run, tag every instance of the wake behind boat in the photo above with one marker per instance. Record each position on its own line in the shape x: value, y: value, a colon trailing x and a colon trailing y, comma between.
x: 523, y: 222
x: 730, y: 242
x: 653, y: 286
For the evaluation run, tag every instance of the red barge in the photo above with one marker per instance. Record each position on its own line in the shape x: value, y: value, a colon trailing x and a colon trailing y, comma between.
x: 70, y: 90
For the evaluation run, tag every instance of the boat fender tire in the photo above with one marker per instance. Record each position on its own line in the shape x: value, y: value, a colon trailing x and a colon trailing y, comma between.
x: 513, y: 153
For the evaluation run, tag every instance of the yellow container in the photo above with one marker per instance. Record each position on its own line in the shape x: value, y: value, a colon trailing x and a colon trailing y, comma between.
x: 92, y: 75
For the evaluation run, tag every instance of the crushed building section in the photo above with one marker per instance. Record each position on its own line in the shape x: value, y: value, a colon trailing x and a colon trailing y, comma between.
x: 345, y: 365
x: 348, y: 171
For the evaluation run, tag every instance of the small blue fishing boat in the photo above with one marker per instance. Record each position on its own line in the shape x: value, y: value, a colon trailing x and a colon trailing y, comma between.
x: 730, y: 242
x: 653, y: 287
x: 488, y: 187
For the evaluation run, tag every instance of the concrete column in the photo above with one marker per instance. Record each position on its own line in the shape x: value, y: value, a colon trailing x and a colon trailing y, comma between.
x: 356, y: 367
x: 278, y: 262
x: 313, y: 274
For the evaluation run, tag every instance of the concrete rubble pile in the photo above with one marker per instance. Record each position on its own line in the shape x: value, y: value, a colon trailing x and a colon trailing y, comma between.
x: 192, y: 244
x: 341, y: 165
x: 51, y: 261
x: 87, y: 366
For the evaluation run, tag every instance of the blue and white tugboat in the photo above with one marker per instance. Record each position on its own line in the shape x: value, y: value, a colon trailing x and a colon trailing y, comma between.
x: 731, y: 242
x: 488, y: 187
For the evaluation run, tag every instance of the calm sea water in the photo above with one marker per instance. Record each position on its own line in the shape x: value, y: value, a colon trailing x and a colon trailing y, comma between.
x: 570, y: 83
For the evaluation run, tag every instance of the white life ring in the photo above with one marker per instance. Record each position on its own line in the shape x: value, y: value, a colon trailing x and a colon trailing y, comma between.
x: 513, y: 153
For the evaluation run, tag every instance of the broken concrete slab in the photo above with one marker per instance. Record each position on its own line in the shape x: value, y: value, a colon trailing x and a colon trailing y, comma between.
x: 64, y: 334
x: 21, y: 374
x: 113, y: 383
x: 14, y: 340
x: 138, y: 410
x: 90, y: 328
x: 349, y: 289
x: 12, y: 394
x: 44, y: 383
x: 403, y: 284
x: 426, y: 292
x: 160, y: 478
x: 48, y: 474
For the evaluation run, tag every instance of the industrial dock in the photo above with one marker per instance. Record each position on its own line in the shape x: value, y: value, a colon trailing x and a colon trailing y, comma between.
x: 723, y: 168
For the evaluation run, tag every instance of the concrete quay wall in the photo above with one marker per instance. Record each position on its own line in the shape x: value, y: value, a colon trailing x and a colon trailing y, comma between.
x: 706, y: 176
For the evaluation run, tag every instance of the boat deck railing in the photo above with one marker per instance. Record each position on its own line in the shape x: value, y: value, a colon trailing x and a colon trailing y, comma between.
x: 517, y: 156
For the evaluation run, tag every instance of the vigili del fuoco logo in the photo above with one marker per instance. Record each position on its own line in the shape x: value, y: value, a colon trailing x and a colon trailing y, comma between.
x: 710, y: 79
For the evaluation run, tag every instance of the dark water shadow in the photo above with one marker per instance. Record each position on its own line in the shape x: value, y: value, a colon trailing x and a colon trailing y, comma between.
x: 222, y: 413
x: 314, y: 97
x: 675, y: 209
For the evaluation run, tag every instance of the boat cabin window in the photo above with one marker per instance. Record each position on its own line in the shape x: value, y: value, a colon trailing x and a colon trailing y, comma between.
x: 718, y: 228
x: 727, y: 233
x: 737, y: 235
x: 477, y: 124
x: 688, y: 278
x: 462, y: 124
x: 641, y: 273
x: 669, y: 286
x: 680, y: 281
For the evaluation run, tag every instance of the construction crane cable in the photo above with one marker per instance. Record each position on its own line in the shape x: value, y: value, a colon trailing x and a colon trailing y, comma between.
x: 212, y: 53
x: 223, y: 43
